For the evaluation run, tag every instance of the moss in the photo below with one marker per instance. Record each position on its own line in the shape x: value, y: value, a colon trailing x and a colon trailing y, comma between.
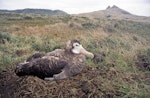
x: 4, y: 36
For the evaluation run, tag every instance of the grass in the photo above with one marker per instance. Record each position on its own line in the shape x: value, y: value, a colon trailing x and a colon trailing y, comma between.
x: 120, y: 41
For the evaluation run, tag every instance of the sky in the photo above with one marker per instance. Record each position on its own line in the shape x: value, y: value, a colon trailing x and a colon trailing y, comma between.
x: 137, y: 7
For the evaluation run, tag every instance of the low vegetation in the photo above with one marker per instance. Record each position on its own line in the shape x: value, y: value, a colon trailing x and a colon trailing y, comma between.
x: 121, y: 67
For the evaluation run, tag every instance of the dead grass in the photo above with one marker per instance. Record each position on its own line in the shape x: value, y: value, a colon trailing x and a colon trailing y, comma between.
x: 116, y: 70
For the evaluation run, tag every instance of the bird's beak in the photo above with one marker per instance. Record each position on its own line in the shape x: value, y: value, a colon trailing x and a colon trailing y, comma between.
x: 85, y: 52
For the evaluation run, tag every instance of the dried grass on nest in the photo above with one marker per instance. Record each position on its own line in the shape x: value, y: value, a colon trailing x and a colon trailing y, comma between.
x: 83, y: 85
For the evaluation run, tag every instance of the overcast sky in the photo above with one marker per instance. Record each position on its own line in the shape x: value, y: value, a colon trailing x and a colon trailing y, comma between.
x: 137, y: 7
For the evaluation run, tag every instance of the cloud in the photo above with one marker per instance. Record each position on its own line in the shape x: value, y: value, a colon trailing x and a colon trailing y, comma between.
x: 138, y: 7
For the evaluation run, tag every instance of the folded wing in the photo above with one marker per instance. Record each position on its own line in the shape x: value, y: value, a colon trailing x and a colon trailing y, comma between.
x: 41, y: 67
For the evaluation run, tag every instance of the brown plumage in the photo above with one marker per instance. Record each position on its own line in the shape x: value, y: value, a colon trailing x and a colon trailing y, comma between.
x: 55, y: 65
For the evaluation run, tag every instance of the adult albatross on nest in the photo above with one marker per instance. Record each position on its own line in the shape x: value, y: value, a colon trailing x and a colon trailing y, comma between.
x: 56, y: 65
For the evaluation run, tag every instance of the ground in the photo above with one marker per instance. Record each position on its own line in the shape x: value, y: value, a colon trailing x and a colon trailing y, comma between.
x: 13, y: 86
x: 91, y: 83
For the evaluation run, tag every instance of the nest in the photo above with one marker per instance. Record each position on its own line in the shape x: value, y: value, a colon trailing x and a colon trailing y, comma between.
x: 83, y: 85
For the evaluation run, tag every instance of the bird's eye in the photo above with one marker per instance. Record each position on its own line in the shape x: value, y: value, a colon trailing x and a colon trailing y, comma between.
x: 75, y: 44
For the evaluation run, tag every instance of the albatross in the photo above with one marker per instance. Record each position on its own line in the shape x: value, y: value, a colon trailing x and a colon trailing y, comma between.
x: 56, y: 65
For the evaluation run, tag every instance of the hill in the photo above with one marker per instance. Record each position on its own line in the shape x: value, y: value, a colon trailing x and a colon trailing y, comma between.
x: 115, y: 12
x: 36, y: 11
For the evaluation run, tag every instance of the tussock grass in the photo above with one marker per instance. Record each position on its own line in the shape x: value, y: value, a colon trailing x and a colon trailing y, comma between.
x: 117, y: 45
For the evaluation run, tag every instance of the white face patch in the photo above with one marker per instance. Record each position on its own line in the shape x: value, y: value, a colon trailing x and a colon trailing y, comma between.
x: 76, y: 48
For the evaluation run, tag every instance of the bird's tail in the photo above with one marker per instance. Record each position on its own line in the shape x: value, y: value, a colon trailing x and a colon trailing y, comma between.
x: 29, y: 68
x: 23, y: 69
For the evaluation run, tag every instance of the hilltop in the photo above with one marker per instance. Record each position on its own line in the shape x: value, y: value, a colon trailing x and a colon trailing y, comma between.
x: 35, y: 11
x: 115, y: 12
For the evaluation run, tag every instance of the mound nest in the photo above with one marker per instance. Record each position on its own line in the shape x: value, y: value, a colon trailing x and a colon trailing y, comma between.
x: 86, y: 84
x: 91, y: 83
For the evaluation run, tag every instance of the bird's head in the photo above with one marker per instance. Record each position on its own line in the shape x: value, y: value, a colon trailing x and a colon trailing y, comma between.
x: 75, y: 47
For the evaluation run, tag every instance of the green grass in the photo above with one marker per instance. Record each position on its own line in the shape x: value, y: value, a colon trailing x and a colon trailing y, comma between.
x: 121, y: 41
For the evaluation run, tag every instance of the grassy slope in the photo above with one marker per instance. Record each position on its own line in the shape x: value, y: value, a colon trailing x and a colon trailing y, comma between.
x: 120, y: 47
